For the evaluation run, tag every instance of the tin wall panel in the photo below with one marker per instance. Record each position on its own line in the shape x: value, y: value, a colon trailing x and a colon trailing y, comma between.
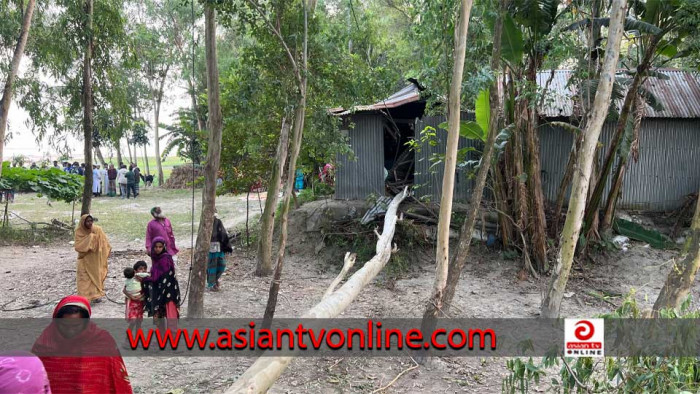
x: 667, y: 171
x: 428, y: 181
x: 364, y: 175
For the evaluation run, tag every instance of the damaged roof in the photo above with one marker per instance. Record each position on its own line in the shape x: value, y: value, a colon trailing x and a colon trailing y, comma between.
x: 679, y: 95
x: 409, y: 94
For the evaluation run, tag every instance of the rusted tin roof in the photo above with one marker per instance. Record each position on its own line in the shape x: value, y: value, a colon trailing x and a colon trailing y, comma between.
x: 408, y: 94
x: 679, y: 95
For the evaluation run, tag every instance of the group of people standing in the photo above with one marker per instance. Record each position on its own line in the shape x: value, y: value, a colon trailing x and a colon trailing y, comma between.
x: 128, y: 180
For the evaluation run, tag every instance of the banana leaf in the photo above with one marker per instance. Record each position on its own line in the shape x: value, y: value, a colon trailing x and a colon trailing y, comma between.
x: 640, y: 233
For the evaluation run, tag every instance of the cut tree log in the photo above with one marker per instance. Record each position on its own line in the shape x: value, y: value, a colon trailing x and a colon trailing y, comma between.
x: 348, y: 263
x: 260, y: 376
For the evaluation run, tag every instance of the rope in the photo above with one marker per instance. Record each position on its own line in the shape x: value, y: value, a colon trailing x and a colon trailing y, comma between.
x: 26, y: 307
x: 194, y: 126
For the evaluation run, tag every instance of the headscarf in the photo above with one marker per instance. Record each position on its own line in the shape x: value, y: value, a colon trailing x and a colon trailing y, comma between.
x: 160, y: 263
x: 92, y: 341
x: 22, y: 372
x: 93, y: 246
x: 89, y: 362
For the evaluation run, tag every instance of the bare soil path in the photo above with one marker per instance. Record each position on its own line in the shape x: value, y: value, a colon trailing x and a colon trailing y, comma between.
x: 489, y: 288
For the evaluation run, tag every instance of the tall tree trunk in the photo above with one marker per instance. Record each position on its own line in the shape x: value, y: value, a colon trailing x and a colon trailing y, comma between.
x: 195, y: 305
x: 639, y: 77
x: 157, y: 100
x: 297, y: 137
x: 267, y: 220
x: 128, y: 149
x: 98, y: 153
x: 87, y: 109
x: 611, y: 202
x: 145, y: 160
x: 551, y: 304
x: 682, y: 275
x: 538, y: 223
x: 465, y: 237
x: 566, y: 181
x: 119, y: 153
x: 14, y: 68
x: 442, y: 255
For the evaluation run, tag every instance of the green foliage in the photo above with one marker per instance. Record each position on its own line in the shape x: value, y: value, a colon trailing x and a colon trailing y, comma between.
x: 615, y: 375
x: 483, y: 111
x: 185, y: 137
x: 52, y: 183
x: 512, y: 44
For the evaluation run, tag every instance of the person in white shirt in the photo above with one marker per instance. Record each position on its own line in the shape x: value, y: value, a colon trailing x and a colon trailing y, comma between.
x: 121, y: 180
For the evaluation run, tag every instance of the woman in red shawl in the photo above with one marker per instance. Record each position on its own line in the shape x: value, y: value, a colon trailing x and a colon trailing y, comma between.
x: 78, y: 356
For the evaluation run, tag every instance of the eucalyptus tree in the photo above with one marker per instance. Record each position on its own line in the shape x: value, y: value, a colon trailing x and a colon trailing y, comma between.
x: 658, y: 30
x: 26, y: 17
x: 154, y: 46
x: 195, y: 305
x: 551, y: 303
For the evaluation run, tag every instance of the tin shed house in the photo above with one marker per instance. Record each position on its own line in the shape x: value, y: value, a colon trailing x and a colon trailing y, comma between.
x: 669, y: 145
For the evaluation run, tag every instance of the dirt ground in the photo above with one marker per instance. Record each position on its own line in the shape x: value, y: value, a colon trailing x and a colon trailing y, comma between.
x: 489, y: 288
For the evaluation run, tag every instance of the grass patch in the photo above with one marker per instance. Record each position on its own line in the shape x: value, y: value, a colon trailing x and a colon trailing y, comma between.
x: 26, y: 236
x: 125, y: 220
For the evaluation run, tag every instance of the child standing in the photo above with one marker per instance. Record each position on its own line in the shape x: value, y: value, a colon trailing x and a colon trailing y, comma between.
x: 135, y: 297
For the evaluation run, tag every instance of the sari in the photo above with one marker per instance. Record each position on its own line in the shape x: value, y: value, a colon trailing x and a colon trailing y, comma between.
x: 87, y: 363
x: 162, y: 288
x: 93, y: 249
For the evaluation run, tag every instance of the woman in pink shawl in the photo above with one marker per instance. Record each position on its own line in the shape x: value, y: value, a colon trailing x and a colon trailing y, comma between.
x: 160, y: 227
x: 22, y: 372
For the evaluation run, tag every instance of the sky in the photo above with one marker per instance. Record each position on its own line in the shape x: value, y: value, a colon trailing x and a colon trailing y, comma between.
x: 24, y: 142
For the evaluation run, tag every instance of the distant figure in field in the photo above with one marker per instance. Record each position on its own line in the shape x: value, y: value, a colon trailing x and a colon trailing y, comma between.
x: 75, y: 168
x: 130, y: 183
x: 33, y: 167
x: 121, y: 179
x: 55, y: 164
x: 219, y: 246
x: 148, y: 180
x: 105, y: 181
x: 137, y: 179
x: 112, y: 175
x: 160, y: 227
x: 93, y: 249
x: 96, y: 181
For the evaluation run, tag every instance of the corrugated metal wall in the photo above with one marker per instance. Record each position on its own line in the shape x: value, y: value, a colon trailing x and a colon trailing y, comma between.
x: 428, y: 182
x: 356, y: 179
x: 668, y: 167
x: 667, y: 171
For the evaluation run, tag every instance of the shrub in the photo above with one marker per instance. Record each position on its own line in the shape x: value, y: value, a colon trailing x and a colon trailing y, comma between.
x: 52, y: 182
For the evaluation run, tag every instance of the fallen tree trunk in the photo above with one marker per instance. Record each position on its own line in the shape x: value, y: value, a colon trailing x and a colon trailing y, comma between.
x: 260, y: 376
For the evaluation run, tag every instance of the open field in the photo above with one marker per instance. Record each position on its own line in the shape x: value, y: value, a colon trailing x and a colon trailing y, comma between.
x: 125, y: 221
